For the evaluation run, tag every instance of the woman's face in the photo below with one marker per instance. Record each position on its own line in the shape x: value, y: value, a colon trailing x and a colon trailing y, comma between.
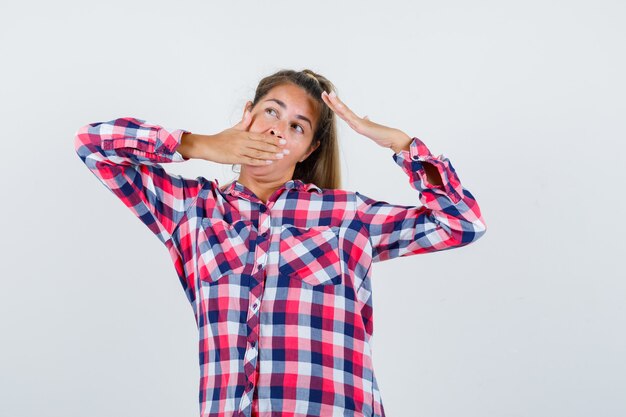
x: 286, y: 111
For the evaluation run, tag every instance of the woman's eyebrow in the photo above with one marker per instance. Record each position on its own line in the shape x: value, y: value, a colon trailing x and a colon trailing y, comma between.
x: 284, y: 106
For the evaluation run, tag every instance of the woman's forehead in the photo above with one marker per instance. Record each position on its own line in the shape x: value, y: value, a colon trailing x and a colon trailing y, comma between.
x: 295, y: 99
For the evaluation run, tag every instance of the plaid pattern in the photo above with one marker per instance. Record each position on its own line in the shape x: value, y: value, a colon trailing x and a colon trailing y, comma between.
x: 281, y: 291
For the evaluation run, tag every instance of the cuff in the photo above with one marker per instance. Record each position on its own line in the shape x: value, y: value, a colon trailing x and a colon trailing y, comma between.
x: 170, y: 139
x: 418, y: 151
x: 411, y: 162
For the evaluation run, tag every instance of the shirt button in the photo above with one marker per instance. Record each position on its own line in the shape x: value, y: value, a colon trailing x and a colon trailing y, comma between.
x: 264, y: 234
x: 263, y: 209
x: 253, y: 344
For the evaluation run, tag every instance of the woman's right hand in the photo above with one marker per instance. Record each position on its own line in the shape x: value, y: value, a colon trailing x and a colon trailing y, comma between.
x: 237, y: 145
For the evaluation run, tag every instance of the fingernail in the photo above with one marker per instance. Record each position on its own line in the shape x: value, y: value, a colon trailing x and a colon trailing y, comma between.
x: 268, y: 161
x: 332, y: 94
x: 282, y: 141
x: 279, y: 155
x: 285, y: 151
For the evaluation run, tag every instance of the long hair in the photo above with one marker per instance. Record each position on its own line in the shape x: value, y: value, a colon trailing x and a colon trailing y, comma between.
x: 322, y: 166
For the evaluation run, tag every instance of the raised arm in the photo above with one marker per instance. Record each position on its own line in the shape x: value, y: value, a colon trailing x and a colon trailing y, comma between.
x: 125, y: 155
x: 447, y: 217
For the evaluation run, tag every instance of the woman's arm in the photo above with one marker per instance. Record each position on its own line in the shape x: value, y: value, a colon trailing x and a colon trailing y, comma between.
x: 448, y: 216
x: 125, y: 155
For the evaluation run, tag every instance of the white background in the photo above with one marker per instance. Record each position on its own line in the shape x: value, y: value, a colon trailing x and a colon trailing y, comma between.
x: 526, y: 98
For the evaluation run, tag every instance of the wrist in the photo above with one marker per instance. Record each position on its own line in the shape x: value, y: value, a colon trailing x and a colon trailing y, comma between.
x: 194, y: 146
x: 401, y: 143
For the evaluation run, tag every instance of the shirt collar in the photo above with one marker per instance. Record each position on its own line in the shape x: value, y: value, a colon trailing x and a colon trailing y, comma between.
x: 236, y: 187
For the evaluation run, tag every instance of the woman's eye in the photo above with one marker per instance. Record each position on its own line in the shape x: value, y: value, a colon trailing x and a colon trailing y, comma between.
x: 269, y: 109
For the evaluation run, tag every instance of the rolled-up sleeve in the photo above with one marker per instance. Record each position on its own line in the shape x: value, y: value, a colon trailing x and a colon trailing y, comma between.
x: 125, y: 154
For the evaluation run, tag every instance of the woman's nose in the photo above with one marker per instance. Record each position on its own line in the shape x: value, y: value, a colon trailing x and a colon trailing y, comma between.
x: 275, y: 132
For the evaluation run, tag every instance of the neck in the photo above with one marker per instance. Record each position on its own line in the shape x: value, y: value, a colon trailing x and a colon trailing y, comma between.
x: 263, y: 186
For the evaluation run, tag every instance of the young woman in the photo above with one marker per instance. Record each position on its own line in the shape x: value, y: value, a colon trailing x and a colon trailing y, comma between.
x: 276, y: 264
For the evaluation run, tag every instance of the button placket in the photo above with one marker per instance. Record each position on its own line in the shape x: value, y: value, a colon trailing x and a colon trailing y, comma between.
x: 253, y: 320
x: 263, y: 236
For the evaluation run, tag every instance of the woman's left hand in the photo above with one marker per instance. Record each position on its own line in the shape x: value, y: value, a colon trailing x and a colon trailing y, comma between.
x: 387, y: 137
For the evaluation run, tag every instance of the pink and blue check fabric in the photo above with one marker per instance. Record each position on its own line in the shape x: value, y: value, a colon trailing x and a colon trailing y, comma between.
x: 280, y: 290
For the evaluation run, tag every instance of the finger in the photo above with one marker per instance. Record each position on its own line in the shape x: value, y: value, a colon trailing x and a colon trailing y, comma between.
x: 337, y: 105
x: 326, y: 99
x: 330, y: 103
x: 271, y: 147
x: 343, y: 111
x: 259, y: 156
x: 264, y: 147
x: 256, y: 162
x: 341, y: 107
x: 260, y: 150
x: 268, y: 139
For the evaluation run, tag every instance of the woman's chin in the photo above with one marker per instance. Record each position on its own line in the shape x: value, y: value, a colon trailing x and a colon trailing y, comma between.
x: 264, y: 168
x: 268, y: 171
x: 259, y: 170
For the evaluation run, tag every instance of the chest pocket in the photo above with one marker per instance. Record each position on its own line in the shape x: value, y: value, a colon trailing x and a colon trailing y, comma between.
x: 223, y: 247
x: 310, y: 255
